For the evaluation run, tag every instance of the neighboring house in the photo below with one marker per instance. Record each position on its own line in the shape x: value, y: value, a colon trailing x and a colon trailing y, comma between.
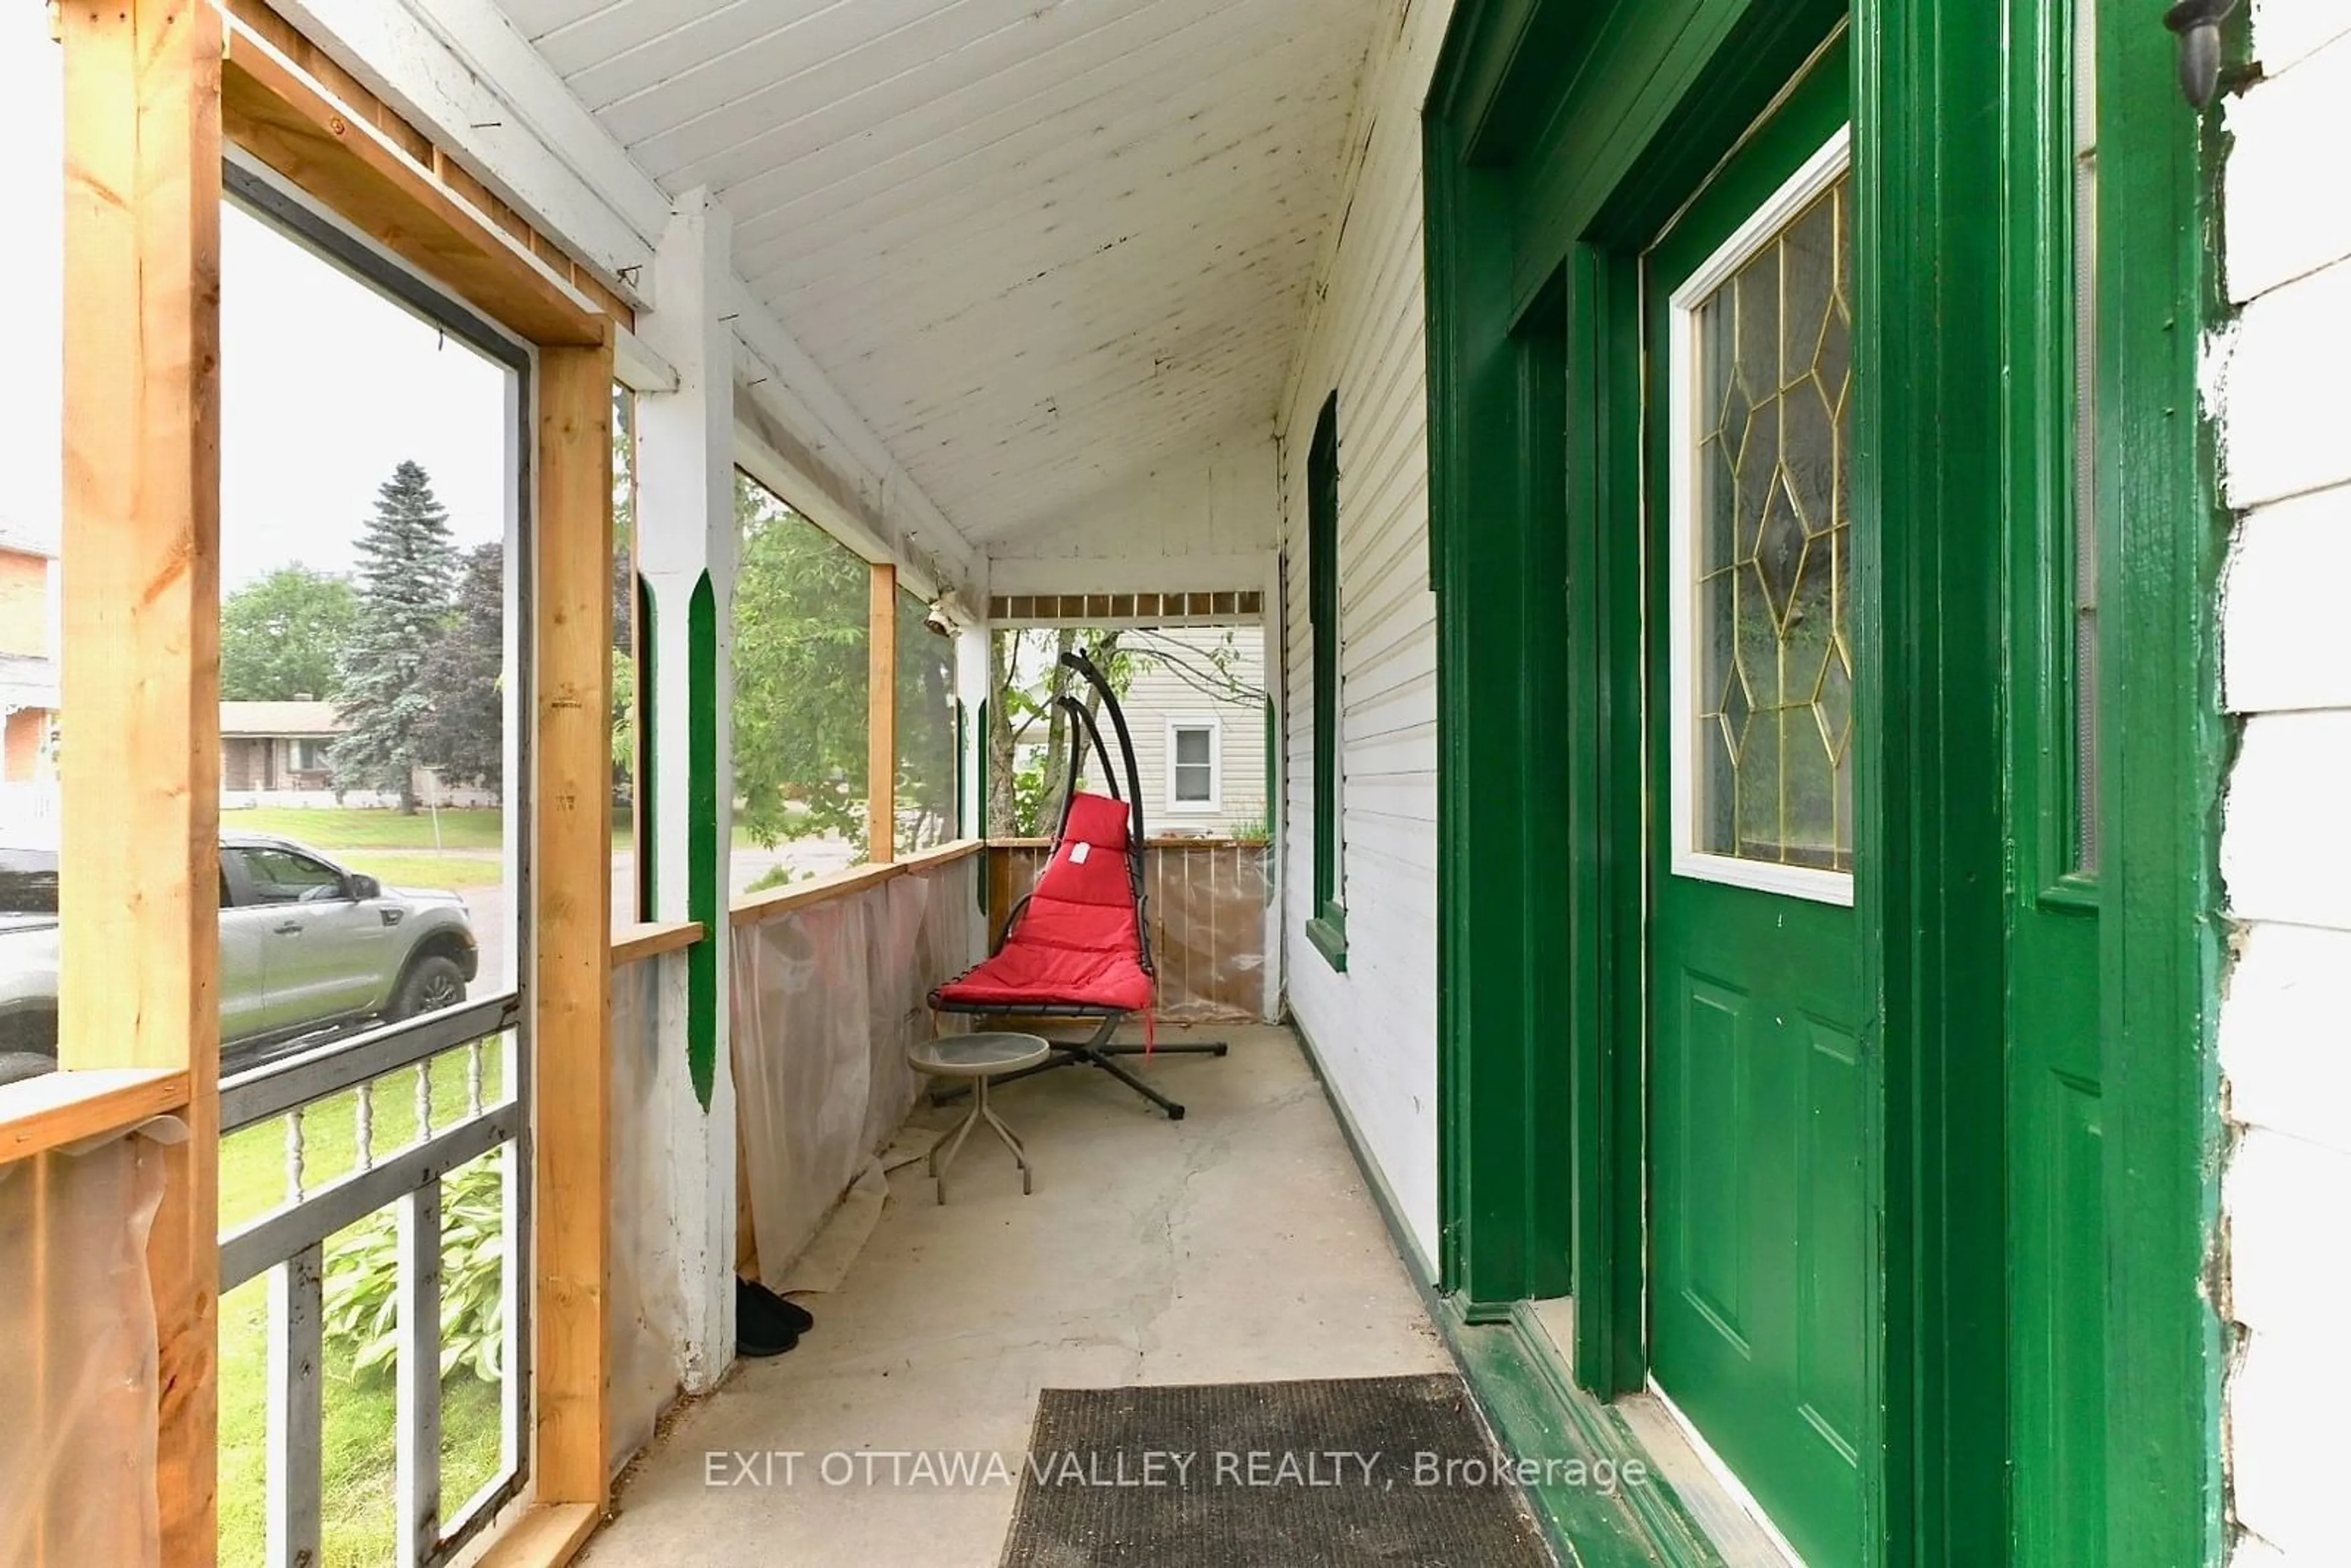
x: 1200, y: 750
x: 1196, y: 707
x: 273, y: 746
x: 275, y: 754
x: 28, y: 669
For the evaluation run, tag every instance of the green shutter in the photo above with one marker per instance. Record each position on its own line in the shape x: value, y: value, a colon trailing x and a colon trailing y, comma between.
x: 1328, y: 928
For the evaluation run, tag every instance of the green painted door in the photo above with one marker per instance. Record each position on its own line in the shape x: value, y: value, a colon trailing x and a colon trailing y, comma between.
x: 1760, y: 1314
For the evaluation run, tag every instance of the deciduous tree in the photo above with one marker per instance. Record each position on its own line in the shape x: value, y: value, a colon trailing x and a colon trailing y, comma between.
x: 800, y: 677
x: 282, y: 636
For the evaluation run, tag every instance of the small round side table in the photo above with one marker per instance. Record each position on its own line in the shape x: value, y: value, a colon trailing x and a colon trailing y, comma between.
x: 978, y: 1057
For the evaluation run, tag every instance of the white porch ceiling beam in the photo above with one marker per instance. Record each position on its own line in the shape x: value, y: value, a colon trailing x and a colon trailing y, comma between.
x: 460, y: 69
x: 639, y: 367
x: 882, y: 513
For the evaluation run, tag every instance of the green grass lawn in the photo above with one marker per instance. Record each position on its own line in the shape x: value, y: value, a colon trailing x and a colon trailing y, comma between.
x: 361, y: 827
x: 427, y: 868
x: 359, y: 1408
x: 350, y: 827
x: 347, y: 828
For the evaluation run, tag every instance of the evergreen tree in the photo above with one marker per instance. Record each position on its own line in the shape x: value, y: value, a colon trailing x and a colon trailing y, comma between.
x: 463, y: 677
x: 407, y: 578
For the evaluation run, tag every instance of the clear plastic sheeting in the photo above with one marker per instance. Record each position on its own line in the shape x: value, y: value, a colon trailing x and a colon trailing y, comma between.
x: 1206, y: 903
x: 827, y: 998
x: 79, y: 1380
x: 648, y: 1309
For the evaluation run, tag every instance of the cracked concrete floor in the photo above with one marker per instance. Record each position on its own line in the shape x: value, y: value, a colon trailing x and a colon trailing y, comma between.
x: 1240, y: 1244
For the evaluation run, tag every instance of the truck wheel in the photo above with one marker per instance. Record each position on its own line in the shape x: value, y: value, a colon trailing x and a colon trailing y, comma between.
x: 431, y: 984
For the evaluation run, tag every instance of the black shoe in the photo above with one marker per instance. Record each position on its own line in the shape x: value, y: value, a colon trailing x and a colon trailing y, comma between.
x: 766, y: 1323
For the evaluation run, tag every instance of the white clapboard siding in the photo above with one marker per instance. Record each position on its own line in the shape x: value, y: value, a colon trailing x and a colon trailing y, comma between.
x: 2286, y: 859
x: 1158, y: 696
x: 1373, y: 1028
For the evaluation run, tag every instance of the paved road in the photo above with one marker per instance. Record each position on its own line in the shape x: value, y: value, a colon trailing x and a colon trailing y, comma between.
x: 491, y: 908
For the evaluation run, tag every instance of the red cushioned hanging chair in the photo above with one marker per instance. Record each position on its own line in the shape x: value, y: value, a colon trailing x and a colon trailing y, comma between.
x: 1078, y: 945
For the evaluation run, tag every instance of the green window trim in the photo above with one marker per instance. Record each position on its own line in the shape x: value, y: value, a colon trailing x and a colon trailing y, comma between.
x: 1327, y: 930
x: 706, y: 897
x: 646, y: 833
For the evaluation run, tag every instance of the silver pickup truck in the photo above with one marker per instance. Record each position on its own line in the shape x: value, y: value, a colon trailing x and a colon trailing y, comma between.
x: 305, y: 947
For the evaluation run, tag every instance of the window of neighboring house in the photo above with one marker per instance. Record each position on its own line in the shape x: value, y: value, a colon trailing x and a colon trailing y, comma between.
x: 308, y: 757
x: 1194, y: 758
x: 1328, y: 928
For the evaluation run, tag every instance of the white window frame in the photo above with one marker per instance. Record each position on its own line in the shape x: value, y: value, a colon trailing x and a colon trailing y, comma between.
x: 1819, y: 171
x: 1215, y: 803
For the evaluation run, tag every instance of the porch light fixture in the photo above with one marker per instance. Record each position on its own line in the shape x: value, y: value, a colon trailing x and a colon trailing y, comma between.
x: 2197, y: 23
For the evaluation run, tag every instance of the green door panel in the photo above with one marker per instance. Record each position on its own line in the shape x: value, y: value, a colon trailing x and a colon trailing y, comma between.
x: 1703, y: 1176
x: 1760, y: 1313
x: 2059, y: 1406
x: 1759, y: 1265
x: 1832, y: 1218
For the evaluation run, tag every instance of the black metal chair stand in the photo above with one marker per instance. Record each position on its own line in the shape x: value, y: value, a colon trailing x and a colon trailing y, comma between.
x: 1098, y: 1052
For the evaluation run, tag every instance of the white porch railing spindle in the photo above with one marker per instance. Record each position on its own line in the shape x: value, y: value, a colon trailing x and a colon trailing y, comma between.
x: 294, y: 1155
x: 296, y: 1419
x: 418, y: 1399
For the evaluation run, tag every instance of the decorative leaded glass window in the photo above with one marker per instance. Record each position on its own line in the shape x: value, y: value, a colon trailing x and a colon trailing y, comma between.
x: 1763, y: 540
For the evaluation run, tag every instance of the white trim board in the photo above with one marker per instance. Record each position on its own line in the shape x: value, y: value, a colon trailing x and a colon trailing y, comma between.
x: 1725, y: 1511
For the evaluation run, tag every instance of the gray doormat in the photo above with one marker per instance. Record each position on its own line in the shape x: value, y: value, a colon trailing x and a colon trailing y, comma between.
x: 1283, y: 1475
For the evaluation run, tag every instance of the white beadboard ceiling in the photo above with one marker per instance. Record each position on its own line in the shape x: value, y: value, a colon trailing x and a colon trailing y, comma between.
x: 1045, y: 246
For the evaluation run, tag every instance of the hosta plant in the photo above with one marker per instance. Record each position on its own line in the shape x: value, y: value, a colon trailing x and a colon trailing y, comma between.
x: 363, y: 1281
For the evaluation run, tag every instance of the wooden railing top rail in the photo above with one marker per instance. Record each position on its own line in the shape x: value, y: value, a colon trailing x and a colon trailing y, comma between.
x: 37, y: 1114
x: 648, y: 938
x: 752, y: 908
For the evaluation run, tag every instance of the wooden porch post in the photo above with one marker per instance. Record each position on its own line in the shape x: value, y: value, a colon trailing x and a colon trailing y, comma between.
x: 140, y: 770
x: 572, y: 886
x: 882, y: 717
